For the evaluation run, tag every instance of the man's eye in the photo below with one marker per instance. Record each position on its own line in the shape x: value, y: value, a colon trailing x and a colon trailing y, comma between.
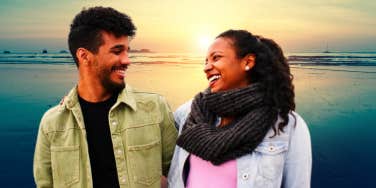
x: 117, y: 52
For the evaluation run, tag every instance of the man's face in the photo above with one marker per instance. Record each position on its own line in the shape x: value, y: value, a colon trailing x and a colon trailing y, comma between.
x: 111, y: 61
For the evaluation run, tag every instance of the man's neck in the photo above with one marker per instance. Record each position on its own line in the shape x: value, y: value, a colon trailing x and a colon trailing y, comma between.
x: 93, y: 92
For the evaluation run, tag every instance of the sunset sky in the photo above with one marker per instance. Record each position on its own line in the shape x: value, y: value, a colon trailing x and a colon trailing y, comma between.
x: 187, y: 25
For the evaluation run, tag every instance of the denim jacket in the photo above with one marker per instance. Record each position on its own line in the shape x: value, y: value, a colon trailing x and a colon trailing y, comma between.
x: 143, y: 137
x: 284, y: 160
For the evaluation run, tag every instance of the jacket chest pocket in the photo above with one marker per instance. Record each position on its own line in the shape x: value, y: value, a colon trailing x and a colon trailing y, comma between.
x: 272, y: 156
x: 65, y: 162
x: 144, y: 153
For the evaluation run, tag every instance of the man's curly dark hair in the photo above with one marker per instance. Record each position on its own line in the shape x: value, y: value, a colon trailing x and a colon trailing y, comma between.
x: 85, y: 30
x: 271, y: 69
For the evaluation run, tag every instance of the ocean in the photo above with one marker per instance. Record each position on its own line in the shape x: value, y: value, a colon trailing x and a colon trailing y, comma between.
x: 312, y: 58
x: 335, y: 94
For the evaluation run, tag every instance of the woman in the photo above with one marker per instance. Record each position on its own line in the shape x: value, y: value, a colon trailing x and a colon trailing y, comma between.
x: 242, y: 131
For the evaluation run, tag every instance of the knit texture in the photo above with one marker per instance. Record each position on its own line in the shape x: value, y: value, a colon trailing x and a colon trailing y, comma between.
x: 253, y: 119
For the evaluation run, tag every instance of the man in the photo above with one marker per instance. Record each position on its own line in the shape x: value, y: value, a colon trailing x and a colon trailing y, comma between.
x: 104, y: 134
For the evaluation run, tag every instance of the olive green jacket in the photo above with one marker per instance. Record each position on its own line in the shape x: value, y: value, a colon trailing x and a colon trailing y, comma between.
x: 143, y: 137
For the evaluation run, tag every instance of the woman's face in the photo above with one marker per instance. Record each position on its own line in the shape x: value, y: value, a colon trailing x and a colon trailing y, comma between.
x: 223, y: 69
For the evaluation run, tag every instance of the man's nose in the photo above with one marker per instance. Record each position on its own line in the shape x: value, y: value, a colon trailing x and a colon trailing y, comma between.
x: 125, y: 59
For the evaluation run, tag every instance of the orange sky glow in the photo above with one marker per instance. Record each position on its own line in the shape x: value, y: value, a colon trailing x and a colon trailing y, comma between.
x: 188, y: 25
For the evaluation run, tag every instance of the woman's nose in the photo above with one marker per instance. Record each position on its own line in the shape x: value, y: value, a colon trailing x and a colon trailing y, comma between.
x: 208, y: 66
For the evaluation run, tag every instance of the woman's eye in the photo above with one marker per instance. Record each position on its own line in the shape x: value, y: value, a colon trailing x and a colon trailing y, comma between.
x: 216, y: 57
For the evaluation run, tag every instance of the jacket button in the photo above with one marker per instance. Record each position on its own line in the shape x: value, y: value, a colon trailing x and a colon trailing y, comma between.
x: 271, y: 148
x: 245, y: 176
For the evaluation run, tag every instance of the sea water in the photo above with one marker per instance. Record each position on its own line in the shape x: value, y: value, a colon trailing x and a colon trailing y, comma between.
x: 337, y: 101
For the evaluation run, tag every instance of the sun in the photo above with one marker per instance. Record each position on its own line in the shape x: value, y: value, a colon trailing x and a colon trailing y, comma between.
x: 204, y: 42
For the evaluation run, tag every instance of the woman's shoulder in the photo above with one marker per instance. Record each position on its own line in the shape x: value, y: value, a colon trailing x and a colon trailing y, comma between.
x: 295, y: 124
x: 294, y: 135
x: 296, y: 117
x: 181, y: 113
x: 299, y: 128
x: 184, y: 108
x: 294, y: 121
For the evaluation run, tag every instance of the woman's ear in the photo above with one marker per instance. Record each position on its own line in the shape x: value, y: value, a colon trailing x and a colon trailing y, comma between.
x: 249, y: 61
x: 83, y: 55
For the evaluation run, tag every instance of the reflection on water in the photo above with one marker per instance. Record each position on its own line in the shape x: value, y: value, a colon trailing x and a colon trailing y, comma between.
x: 338, y: 106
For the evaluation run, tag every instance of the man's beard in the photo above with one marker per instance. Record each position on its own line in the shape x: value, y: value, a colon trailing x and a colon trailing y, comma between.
x: 110, y: 85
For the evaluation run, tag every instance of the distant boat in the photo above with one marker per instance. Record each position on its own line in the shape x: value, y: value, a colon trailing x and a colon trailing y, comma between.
x: 44, y: 51
x: 326, y: 50
x: 63, y: 52
x: 6, y: 52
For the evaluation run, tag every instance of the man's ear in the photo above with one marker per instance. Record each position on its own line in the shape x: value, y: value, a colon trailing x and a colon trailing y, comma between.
x: 84, y: 56
x: 249, y: 62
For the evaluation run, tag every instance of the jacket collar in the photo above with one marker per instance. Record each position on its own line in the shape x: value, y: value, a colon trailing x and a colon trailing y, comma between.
x: 126, y: 96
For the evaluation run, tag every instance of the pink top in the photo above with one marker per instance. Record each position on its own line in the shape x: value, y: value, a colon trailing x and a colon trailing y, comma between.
x: 203, y: 174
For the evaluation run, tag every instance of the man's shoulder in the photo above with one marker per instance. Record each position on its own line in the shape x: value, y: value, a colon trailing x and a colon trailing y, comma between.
x: 147, y: 96
x: 56, y: 115
x: 149, y: 104
x: 52, y: 115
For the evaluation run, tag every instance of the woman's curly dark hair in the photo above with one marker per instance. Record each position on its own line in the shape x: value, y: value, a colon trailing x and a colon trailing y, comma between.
x: 271, y: 70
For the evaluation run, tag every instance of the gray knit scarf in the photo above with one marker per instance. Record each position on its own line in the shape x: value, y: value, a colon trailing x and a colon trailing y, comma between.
x: 253, y: 119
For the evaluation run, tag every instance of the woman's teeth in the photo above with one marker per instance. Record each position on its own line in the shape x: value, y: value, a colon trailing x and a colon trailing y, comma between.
x: 215, y: 77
